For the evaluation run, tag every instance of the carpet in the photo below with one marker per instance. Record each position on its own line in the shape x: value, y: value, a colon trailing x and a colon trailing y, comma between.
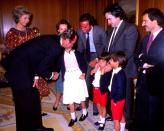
x: 58, y: 119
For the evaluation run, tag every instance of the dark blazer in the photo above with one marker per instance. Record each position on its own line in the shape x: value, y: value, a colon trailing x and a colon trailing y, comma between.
x: 118, y: 90
x: 99, y: 39
x: 104, y: 82
x: 125, y: 40
x: 36, y: 56
x: 155, y: 56
x: 80, y: 60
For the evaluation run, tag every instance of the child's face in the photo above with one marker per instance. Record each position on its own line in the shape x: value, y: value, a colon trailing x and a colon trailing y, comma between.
x: 66, y: 43
x: 102, y: 63
x: 113, y: 64
x: 62, y: 28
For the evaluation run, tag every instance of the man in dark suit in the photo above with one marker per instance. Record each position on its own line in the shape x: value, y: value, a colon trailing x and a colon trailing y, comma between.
x: 150, y: 85
x: 35, y: 57
x: 91, y: 42
x: 122, y: 36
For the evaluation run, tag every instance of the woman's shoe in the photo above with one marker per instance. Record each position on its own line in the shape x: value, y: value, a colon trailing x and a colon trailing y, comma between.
x: 101, y: 126
x: 44, y: 114
x: 71, y: 123
x: 97, y: 123
x: 55, y: 108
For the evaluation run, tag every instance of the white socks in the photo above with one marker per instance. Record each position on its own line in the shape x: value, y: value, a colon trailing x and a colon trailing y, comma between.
x: 84, y: 111
x: 122, y: 126
x: 73, y: 116
x: 102, y: 120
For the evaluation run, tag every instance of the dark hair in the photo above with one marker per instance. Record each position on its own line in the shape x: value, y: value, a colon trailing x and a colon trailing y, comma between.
x: 116, y: 11
x: 88, y: 17
x: 104, y: 56
x: 19, y: 11
x: 63, y: 21
x: 68, y: 34
x: 119, y: 56
x: 155, y: 14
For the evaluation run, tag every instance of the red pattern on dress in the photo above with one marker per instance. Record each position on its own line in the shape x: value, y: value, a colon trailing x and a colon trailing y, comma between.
x: 15, y: 38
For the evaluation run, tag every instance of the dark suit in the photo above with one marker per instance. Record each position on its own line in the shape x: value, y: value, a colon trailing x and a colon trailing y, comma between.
x: 150, y: 85
x: 99, y: 40
x: 125, y: 40
x: 36, y: 56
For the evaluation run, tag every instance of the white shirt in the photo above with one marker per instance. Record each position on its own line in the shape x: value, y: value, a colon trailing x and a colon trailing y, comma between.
x: 96, y: 81
x: 114, y: 34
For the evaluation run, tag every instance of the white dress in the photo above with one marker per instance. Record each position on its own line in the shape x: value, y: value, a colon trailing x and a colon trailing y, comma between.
x: 75, y: 89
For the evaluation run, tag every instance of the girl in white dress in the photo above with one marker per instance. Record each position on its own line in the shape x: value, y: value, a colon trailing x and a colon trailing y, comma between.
x: 73, y: 68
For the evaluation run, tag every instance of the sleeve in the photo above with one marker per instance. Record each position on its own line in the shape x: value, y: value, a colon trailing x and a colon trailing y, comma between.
x: 80, y: 45
x: 10, y: 40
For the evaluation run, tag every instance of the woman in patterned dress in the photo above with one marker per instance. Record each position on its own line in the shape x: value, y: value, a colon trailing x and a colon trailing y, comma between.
x: 22, y: 33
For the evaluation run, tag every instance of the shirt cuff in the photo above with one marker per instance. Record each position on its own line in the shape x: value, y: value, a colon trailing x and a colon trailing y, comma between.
x: 51, y: 76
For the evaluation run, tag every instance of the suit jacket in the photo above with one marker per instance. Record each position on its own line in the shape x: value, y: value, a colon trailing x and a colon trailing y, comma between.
x: 36, y: 56
x: 118, y: 87
x: 125, y: 40
x: 99, y: 39
x: 155, y: 56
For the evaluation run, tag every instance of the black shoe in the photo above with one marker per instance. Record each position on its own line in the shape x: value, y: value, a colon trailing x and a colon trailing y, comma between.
x: 109, y: 118
x: 95, y: 113
x: 55, y: 108
x: 45, y: 129
x: 71, y: 123
x: 129, y: 124
x: 44, y: 114
x: 97, y: 123
x: 77, y: 108
x: 101, y: 126
x: 83, y: 117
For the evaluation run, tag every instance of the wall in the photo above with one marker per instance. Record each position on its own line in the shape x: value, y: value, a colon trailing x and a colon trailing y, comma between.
x: 48, y: 12
x: 143, y: 4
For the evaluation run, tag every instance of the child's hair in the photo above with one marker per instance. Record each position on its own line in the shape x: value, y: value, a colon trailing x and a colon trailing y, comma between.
x: 119, y: 56
x: 104, y: 56
x: 68, y: 34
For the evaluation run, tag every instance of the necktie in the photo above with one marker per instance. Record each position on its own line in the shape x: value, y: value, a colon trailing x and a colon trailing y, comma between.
x: 149, y: 42
x: 112, y: 38
x: 88, y: 48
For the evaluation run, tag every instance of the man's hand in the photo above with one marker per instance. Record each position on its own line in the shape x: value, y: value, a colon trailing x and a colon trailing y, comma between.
x: 93, y: 63
x: 146, y: 66
x: 55, y: 76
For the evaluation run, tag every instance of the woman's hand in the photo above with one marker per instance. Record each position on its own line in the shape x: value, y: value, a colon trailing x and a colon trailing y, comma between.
x: 82, y: 76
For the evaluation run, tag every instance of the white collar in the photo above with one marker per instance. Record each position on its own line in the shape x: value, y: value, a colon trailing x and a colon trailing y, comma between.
x: 115, y: 71
x: 156, y: 33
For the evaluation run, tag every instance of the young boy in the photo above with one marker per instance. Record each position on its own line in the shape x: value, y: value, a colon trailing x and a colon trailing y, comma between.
x: 100, y: 87
x: 117, y: 88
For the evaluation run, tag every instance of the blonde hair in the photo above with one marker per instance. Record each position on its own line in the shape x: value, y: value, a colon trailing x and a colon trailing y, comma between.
x: 19, y: 11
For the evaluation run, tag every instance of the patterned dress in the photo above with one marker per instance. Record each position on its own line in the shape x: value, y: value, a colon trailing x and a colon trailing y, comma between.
x: 15, y: 38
